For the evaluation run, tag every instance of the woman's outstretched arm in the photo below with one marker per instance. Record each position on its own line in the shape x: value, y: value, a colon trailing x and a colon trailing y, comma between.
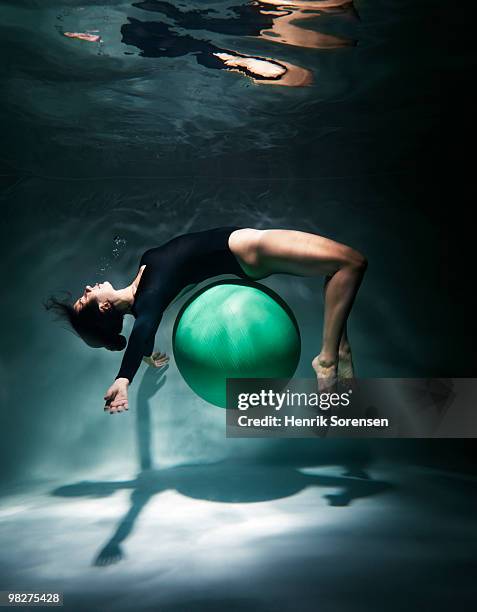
x: 140, y: 344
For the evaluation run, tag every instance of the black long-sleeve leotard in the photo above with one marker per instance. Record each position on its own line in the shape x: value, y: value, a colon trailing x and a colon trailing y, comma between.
x: 184, y: 260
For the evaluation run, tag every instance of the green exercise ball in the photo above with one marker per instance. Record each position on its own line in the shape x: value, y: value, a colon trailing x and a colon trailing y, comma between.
x: 234, y: 330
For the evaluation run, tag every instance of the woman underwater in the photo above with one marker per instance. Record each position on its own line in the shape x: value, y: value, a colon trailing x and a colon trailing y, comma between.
x: 169, y: 270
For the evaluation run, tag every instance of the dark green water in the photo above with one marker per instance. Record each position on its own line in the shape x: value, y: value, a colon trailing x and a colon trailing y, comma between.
x: 106, y: 140
x: 111, y: 147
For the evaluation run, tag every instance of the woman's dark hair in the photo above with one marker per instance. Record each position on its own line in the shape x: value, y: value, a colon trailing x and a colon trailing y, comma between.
x: 97, y: 329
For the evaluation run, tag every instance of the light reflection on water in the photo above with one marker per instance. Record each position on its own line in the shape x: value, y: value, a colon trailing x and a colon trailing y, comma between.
x: 273, y: 20
x: 287, y: 27
x: 170, y: 80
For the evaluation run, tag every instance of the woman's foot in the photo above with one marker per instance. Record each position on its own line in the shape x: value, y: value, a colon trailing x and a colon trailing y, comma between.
x: 345, y: 363
x: 326, y: 371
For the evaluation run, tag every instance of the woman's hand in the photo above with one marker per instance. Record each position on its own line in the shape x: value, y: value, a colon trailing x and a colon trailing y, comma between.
x: 157, y: 360
x: 117, y: 396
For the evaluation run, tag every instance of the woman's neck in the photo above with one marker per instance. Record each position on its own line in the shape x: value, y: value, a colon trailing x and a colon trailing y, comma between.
x: 124, y: 299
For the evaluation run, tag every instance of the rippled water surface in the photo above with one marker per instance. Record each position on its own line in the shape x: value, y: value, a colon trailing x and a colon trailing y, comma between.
x: 165, y: 78
x: 154, y: 86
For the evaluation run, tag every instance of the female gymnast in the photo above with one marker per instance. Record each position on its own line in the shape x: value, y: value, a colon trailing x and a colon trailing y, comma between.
x: 167, y: 271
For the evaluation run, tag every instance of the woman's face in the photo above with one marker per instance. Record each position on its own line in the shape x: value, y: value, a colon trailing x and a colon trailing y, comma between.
x: 100, y: 293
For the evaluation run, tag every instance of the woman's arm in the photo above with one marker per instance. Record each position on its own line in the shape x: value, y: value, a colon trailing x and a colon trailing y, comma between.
x: 140, y: 343
x: 140, y: 340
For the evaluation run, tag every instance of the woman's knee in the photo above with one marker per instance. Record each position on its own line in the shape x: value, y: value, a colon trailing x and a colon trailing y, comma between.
x: 355, y: 260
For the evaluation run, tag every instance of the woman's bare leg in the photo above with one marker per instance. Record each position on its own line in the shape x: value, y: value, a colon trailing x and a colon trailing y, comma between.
x: 265, y: 252
x: 345, y: 356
